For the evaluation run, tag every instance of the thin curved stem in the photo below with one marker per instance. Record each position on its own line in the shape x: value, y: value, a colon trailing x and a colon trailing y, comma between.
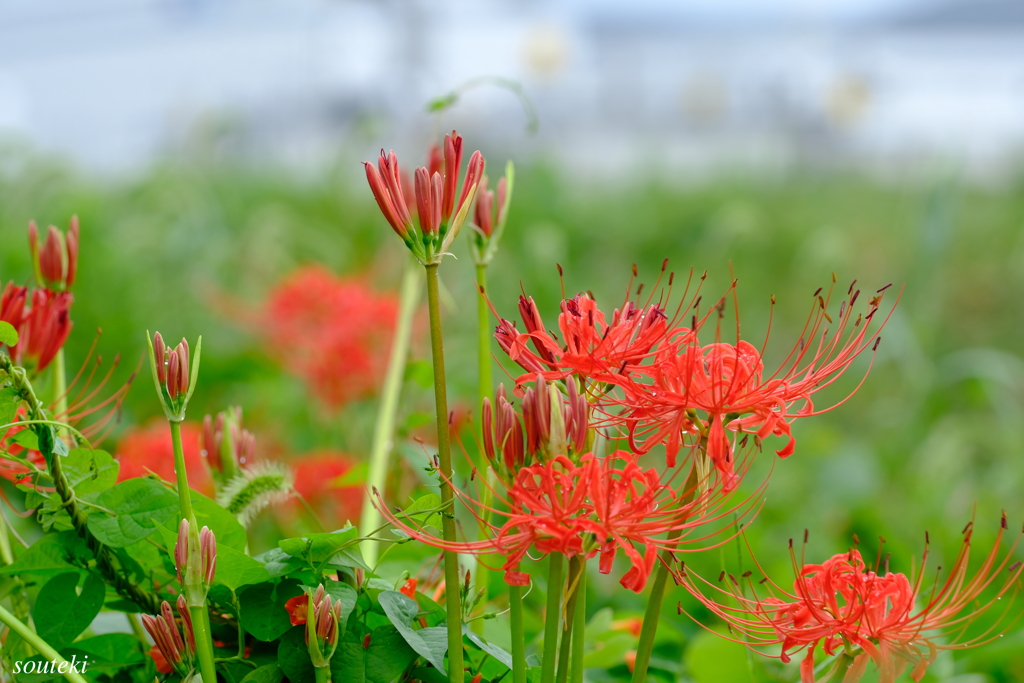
x: 451, y: 559
x: 40, y: 645
x: 184, y: 496
x: 384, y: 428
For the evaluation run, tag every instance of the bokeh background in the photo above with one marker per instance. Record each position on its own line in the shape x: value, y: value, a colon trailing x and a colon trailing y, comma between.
x: 211, y: 149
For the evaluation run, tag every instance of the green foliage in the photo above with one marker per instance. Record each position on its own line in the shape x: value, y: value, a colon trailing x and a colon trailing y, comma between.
x: 429, y: 643
x: 262, y: 611
x: 137, y: 505
x: 8, y: 335
x: 59, y: 627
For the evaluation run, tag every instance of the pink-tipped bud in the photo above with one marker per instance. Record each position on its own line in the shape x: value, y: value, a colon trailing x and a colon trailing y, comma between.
x: 487, y: 423
x: 474, y: 172
x: 168, y: 617
x: 160, y: 351
x: 534, y: 325
x: 483, y: 213
x: 428, y: 207
x: 186, y: 621
x: 208, y: 551
x: 181, y: 549
x: 71, y: 242
x: 452, y: 165
x: 52, y: 257
x: 173, y: 375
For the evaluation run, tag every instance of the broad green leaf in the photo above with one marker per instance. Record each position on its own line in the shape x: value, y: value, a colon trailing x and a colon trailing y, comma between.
x: 428, y: 675
x: 348, y: 597
x: 8, y: 335
x: 222, y: 523
x: 116, y: 648
x: 90, y: 471
x: 279, y: 563
x: 401, y: 610
x: 491, y: 649
x: 136, y: 504
x: 59, y: 627
x: 236, y: 569
x: 269, y: 673
x: 385, y: 659
x: 338, y: 548
x: 293, y: 656
x: 262, y: 609
x: 49, y: 556
x: 9, y: 401
x: 423, y: 510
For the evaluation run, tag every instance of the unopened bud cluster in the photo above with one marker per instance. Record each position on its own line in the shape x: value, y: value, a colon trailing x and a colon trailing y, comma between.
x: 195, y: 557
x: 322, y: 627
x: 56, y: 264
x: 180, y: 653
x: 225, y: 444
x: 173, y: 374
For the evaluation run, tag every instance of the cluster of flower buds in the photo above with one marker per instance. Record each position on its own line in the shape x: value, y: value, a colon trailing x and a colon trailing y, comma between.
x: 489, y: 216
x: 173, y: 376
x: 178, y: 653
x: 439, y: 215
x: 225, y: 444
x: 56, y: 264
x: 195, y: 557
x: 42, y: 319
x: 555, y: 424
x: 322, y: 627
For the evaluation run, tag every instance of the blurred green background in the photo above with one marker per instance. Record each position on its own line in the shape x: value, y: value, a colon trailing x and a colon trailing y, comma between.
x: 934, y: 436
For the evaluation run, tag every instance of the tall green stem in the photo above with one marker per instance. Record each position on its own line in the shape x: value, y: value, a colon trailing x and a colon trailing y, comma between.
x: 515, y: 601
x: 485, y: 384
x: 60, y: 389
x: 653, y: 613
x: 384, y: 429
x: 184, y: 496
x: 204, y: 645
x: 576, y: 671
x: 575, y: 566
x: 40, y: 645
x: 552, y: 618
x: 323, y: 674
x: 444, y: 454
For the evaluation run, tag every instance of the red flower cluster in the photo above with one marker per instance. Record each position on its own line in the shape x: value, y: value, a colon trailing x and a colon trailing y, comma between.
x: 315, y: 477
x: 148, y: 448
x: 847, y: 609
x: 332, y: 332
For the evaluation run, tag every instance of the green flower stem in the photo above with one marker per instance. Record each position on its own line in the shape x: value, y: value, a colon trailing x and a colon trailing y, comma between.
x: 184, y: 496
x: 552, y: 618
x: 60, y: 390
x: 39, y: 644
x: 451, y: 559
x: 515, y: 601
x: 485, y: 383
x: 653, y: 612
x: 575, y: 565
x: 5, y: 542
x: 384, y: 429
x: 576, y: 670
x: 204, y: 644
x: 323, y: 674
x: 105, y: 562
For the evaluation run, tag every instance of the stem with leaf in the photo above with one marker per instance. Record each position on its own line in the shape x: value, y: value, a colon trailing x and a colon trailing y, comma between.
x: 40, y: 645
x: 451, y: 559
x: 384, y: 429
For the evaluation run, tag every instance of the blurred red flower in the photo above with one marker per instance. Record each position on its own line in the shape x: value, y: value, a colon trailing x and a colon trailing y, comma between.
x: 148, y: 448
x: 315, y: 477
x: 333, y: 332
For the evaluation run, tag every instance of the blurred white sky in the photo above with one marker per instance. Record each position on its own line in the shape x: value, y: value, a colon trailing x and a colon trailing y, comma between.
x: 116, y: 83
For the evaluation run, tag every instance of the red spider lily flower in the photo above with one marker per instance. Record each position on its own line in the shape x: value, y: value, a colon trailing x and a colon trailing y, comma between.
x: 332, y: 332
x: 44, y: 328
x: 439, y: 215
x: 297, y: 608
x: 408, y: 589
x: 845, y: 608
x: 13, y: 307
x: 593, y: 348
x: 727, y: 383
x: 57, y: 263
x: 142, y: 450
x: 599, y: 505
x: 316, y: 480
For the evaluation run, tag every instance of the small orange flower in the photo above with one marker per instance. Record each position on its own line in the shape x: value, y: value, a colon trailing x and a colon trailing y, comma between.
x: 409, y: 589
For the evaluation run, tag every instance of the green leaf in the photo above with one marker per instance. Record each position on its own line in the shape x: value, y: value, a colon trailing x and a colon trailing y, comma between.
x: 136, y: 504
x: 59, y: 627
x: 428, y: 643
x: 262, y: 609
x: 382, y: 662
x: 278, y: 563
x: 293, y: 656
x: 8, y: 335
x: 10, y: 399
x: 269, y: 673
x: 423, y: 509
x: 90, y: 471
x: 711, y: 658
x: 491, y: 649
x: 335, y: 547
x: 236, y: 569
x: 115, y: 648
x: 222, y: 523
x: 50, y: 555
x: 348, y: 597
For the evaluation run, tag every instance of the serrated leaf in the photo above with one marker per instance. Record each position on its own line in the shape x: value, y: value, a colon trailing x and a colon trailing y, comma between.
x: 136, y: 504
x: 428, y: 642
x: 59, y: 627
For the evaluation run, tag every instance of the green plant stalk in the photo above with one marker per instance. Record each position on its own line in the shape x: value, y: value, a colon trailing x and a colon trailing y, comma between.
x: 184, y: 496
x: 384, y: 429
x: 552, y: 618
x: 19, y: 603
x: 60, y: 390
x: 485, y: 382
x: 104, y: 559
x: 562, y: 674
x: 323, y: 674
x: 444, y: 454
x: 204, y: 644
x: 515, y: 602
x: 578, y: 632
x: 40, y: 645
